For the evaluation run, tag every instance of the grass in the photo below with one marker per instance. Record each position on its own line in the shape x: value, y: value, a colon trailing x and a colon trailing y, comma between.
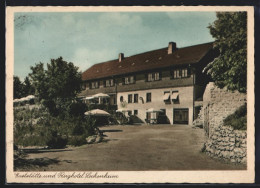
x: 237, y: 120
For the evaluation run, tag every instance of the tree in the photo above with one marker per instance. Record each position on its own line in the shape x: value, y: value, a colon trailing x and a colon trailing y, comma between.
x: 230, y: 67
x: 39, y: 81
x: 57, y: 85
x: 28, y: 89
x: 18, y: 87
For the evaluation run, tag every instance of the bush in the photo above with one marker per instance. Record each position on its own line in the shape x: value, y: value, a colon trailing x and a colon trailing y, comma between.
x: 237, y: 120
x: 37, y: 127
x: 77, y: 140
x: 56, y: 141
x: 77, y: 109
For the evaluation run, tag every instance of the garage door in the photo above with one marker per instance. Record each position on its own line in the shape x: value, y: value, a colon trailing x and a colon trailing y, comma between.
x: 181, y: 116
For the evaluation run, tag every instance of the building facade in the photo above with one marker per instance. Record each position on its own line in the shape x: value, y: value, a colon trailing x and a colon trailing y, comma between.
x: 169, y: 81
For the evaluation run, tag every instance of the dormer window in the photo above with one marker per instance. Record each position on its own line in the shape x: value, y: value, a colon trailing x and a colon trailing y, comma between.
x: 180, y: 73
x: 153, y: 76
x: 94, y: 85
x: 109, y: 83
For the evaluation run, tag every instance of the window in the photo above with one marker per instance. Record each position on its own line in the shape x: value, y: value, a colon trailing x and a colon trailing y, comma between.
x: 180, y: 73
x: 181, y: 116
x: 156, y: 76
x: 184, y: 73
x: 135, y: 112
x: 132, y: 80
x: 153, y: 77
x: 135, y: 98
x: 175, y: 97
x: 150, y: 77
x: 130, y: 98
x: 121, y: 99
x: 129, y: 80
x: 129, y: 113
x: 84, y: 86
x: 109, y: 83
x: 166, y: 97
x: 148, y: 97
x: 94, y: 85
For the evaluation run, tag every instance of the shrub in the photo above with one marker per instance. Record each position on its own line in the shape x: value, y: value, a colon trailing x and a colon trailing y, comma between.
x: 237, y: 120
x: 77, y: 109
x: 37, y: 127
x: 56, y: 141
x: 77, y: 140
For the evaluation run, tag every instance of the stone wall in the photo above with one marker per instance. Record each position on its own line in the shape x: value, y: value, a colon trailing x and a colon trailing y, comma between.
x: 218, y: 104
x: 228, y: 144
x: 223, y: 142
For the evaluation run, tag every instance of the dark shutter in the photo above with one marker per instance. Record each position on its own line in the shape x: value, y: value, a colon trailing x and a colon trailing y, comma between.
x: 171, y: 73
x: 123, y: 81
x: 188, y: 72
x: 160, y: 75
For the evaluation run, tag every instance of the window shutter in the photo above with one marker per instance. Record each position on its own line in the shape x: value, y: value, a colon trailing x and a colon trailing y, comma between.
x: 171, y: 73
x: 189, y: 72
x: 123, y: 81
x: 160, y: 75
x: 146, y: 77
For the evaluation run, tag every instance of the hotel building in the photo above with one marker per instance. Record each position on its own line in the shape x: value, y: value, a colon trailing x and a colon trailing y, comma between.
x: 167, y: 80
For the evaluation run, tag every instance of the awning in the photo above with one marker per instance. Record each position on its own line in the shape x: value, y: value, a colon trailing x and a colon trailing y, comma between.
x: 166, y: 96
x: 174, y: 95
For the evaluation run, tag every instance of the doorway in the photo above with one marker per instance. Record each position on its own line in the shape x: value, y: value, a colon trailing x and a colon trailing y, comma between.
x: 181, y: 116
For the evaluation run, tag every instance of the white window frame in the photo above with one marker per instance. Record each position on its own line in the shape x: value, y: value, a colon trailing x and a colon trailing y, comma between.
x: 157, y: 76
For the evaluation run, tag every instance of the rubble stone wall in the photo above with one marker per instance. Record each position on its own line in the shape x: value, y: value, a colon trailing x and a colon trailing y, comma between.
x: 219, y: 103
x: 223, y: 141
x: 228, y: 144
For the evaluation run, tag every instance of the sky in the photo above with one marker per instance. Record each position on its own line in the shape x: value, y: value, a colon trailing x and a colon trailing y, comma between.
x: 86, y: 38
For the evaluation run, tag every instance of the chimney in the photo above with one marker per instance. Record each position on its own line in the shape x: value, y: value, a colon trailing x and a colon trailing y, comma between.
x: 171, y: 47
x: 120, y: 57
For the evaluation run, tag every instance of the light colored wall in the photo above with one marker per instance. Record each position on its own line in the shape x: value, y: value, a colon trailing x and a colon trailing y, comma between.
x: 185, y: 98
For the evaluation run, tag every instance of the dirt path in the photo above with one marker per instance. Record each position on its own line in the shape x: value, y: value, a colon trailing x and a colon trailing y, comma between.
x: 134, y: 148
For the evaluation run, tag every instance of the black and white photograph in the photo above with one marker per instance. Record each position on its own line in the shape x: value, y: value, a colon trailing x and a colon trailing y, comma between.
x: 130, y: 94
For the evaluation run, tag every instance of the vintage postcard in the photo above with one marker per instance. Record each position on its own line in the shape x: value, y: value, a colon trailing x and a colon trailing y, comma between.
x: 130, y: 94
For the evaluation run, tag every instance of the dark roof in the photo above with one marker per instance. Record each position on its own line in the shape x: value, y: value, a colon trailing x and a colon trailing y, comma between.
x: 148, y: 61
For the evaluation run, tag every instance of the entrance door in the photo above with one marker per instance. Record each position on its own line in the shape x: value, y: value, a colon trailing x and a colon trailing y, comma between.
x: 181, y: 116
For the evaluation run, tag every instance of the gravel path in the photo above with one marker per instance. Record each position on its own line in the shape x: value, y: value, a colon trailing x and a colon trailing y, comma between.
x: 156, y: 147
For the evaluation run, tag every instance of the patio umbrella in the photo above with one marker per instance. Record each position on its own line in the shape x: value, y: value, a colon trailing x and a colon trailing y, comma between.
x: 97, y: 112
x: 123, y: 110
x: 89, y: 98
x: 101, y: 95
x: 153, y: 110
